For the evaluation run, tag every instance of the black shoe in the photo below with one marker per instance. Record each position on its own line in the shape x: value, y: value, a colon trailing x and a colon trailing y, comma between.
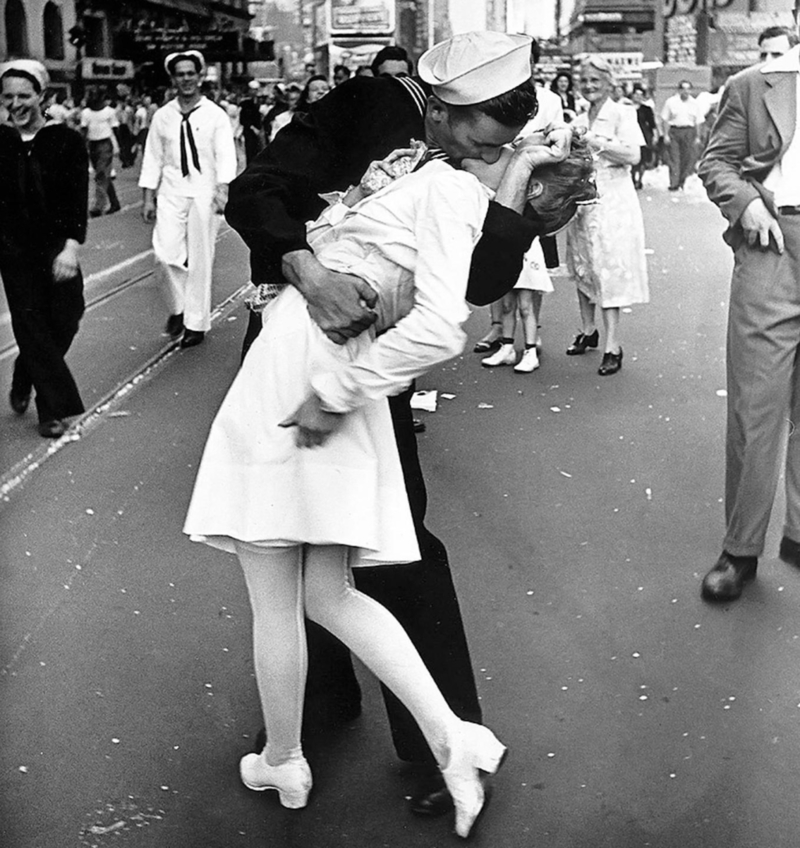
x: 192, y: 338
x: 19, y: 402
x: 112, y: 209
x: 431, y: 797
x: 419, y: 426
x: 726, y: 579
x: 790, y: 551
x: 53, y: 429
x: 174, y: 325
x: 95, y: 213
x: 611, y: 363
x: 582, y: 341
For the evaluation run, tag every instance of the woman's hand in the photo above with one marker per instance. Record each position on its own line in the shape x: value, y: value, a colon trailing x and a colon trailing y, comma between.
x: 65, y: 265
x: 314, y: 424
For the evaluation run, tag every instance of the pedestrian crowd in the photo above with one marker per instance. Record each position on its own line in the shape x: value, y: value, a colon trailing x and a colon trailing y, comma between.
x: 375, y: 210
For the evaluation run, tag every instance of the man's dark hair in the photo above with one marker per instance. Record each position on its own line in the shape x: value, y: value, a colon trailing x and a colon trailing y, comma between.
x: 536, y: 51
x: 512, y: 109
x: 343, y: 68
x: 775, y: 31
x: 567, y: 184
x: 391, y: 53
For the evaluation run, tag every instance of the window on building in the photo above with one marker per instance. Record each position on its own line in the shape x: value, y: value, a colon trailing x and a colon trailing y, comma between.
x: 53, y: 32
x: 16, y: 29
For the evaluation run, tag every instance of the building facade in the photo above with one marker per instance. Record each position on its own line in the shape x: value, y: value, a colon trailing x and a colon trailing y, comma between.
x: 93, y: 41
x: 722, y: 34
x: 39, y: 29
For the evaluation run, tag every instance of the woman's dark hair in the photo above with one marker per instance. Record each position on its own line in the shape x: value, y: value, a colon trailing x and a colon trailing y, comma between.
x: 566, y: 75
x: 512, y: 109
x: 566, y: 185
x: 392, y: 53
x: 15, y: 72
x: 302, y: 103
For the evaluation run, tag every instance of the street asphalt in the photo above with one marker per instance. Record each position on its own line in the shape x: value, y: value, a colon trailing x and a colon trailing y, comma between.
x: 580, y: 513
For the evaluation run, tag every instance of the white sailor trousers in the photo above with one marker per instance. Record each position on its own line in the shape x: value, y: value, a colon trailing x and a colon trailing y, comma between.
x: 184, y: 239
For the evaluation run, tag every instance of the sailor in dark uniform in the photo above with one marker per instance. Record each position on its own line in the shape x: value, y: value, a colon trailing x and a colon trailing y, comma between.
x: 328, y: 149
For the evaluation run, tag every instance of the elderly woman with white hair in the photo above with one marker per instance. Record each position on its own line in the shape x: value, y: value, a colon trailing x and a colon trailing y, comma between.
x: 605, y: 242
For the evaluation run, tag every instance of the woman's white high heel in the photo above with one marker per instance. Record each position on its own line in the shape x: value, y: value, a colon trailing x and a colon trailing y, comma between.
x: 475, y: 753
x: 291, y: 779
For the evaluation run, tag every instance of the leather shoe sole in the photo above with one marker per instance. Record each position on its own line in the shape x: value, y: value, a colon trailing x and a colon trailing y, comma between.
x: 726, y: 580
x: 790, y: 551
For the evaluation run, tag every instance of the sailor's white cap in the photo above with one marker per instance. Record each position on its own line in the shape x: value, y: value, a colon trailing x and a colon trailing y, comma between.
x: 474, y: 67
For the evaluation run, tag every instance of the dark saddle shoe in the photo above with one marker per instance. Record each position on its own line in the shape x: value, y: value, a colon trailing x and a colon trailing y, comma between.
x: 727, y: 578
x: 790, y: 551
x: 611, y: 363
x: 582, y: 341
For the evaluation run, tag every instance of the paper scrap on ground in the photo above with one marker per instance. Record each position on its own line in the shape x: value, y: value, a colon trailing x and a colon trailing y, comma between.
x: 425, y: 401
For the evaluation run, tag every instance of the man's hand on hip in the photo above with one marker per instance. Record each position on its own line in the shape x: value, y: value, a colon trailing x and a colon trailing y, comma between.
x: 340, y: 304
x: 759, y: 224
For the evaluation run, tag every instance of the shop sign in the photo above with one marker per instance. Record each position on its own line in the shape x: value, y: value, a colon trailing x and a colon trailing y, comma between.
x: 362, y: 16
x: 213, y: 42
x: 601, y: 17
x: 106, y: 69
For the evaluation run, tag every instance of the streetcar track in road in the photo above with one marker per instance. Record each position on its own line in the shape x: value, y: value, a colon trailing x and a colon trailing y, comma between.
x: 10, y: 348
x: 22, y: 470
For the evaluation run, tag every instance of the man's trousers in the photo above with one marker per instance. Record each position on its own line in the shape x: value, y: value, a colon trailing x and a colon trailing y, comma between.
x: 763, y: 391
x: 184, y: 240
x: 681, y: 152
x: 44, y: 316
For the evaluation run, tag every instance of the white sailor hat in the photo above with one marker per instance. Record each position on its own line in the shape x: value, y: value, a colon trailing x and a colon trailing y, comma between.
x: 476, y: 66
x: 185, y: 55
x: 36, y: 71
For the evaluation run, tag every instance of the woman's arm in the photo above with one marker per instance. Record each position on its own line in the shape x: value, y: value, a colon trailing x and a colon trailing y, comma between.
x: 446, y: 224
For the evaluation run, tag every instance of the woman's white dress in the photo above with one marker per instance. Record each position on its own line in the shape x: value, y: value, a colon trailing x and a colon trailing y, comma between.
x: 412, y: 242
x: 605, y: 241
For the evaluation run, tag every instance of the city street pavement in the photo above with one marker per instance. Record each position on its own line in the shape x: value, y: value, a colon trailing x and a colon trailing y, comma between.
x: 580, y: 513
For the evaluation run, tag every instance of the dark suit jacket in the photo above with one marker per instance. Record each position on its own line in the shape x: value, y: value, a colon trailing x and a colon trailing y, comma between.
x: 753, y: 129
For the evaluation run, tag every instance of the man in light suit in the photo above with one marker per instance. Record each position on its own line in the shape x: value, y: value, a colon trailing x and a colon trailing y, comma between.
x: 751, y: 170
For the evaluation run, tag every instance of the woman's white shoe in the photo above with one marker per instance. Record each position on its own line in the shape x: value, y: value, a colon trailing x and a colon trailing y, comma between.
x: 506, y: 355
x: 474, y: 753
x: 291, y: 779
x: 529, y: 361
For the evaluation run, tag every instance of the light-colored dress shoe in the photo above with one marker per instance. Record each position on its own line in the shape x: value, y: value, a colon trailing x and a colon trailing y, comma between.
x: 291, y: 779
x: 506, y: 355
x: 475, y: 753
